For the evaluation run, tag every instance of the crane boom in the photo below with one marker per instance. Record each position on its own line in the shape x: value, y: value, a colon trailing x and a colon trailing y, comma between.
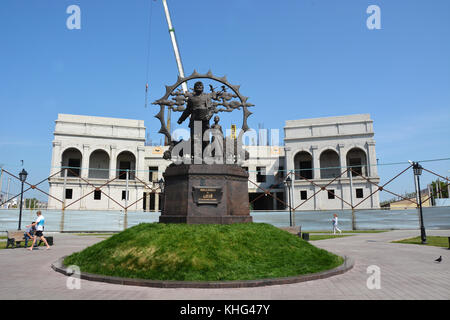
x: 177, y: 58
x: 174, y: 44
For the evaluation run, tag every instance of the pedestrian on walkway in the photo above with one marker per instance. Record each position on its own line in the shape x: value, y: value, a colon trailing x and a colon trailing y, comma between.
x: 39, y: 224
x: 29, y: 233
x: 335, y: 224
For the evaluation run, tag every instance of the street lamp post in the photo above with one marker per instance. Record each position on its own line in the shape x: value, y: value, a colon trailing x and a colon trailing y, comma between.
x: 22, y: 176
x: 161, y: 187
x: 417, y: 172
x: 289, y: 185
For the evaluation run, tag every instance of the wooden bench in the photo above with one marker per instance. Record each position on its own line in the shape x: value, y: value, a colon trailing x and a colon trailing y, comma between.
x: 15, y: 237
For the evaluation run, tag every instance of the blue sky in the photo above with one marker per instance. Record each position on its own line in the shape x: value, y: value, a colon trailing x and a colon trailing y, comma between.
x: 295, y: 59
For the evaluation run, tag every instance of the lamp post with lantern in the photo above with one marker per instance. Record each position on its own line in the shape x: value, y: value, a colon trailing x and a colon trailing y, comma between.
x: 23, y: 177
x: 417, y: 168
x: 162, y: 196
x: 288, y: 183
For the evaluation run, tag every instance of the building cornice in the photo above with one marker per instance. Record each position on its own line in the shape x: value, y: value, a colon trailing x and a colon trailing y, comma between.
x: 349, y: 135
x: 58, y: 133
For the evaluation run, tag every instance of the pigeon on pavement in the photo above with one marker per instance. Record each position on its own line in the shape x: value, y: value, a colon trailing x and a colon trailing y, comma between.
x: 439, y: 259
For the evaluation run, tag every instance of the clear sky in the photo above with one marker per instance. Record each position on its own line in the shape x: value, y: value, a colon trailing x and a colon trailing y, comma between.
x: 295, y: 59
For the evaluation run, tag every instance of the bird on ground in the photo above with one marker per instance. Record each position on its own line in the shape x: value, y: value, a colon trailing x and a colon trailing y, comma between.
x: 439, y: 259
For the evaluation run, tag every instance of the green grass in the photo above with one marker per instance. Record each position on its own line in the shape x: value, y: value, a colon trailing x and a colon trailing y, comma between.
x: 431, y: 241
x: 349, y: 231
x: 183, y: 252
x: 314, y: 237
x: 3, y: 244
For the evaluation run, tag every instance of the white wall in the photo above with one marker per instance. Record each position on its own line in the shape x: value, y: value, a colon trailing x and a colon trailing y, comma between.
x: 340, y: 134
x: 88, y: 134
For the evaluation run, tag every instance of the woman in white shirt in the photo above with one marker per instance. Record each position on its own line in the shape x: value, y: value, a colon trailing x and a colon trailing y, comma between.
x: 335, y: 224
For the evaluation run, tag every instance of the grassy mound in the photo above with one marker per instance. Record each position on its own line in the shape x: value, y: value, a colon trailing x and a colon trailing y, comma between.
x: 247, y: 251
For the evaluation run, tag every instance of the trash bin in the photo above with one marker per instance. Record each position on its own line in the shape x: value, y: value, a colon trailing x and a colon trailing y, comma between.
x: 49, y: 240
x: 305, y: 236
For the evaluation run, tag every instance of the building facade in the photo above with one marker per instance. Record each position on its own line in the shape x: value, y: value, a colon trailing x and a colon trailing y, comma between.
x: 97, y: 150
x: 321, y: 151
x: 111, y: 168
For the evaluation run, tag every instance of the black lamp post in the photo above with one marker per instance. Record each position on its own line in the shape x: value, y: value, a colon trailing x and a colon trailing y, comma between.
x: 161, y: 187
x: 289, y: 185
x: 23, y: 177
x: 417, y: 172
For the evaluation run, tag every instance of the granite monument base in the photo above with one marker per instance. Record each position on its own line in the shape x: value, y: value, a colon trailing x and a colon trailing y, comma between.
x: 205, y: 194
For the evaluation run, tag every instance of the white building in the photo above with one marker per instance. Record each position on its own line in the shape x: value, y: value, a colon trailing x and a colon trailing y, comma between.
x: 97, y: 150
x: 108, y: 159
x: 320, y: 150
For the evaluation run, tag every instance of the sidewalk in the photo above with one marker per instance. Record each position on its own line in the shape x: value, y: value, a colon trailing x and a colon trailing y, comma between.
x: 407, y: 272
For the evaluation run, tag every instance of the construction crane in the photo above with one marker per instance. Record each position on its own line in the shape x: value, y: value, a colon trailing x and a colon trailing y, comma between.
x: 177, y: 57
x: 174, y: 44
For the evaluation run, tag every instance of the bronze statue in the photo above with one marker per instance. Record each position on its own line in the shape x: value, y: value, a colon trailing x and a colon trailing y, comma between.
x: 200, y: 107
x: 216, y: 125
x: 217, y: 132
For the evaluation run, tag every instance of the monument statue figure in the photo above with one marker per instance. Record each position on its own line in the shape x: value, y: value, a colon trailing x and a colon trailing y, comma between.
x: 209, y: 190
x: 218, y: 144
x: 200, y: 107
x: 216, y: 125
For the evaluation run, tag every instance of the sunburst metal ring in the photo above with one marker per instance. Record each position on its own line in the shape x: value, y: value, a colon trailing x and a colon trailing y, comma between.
x: 165, y: 102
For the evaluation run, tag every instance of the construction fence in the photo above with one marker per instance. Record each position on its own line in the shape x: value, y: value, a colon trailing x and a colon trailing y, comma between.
x: 279, y: 192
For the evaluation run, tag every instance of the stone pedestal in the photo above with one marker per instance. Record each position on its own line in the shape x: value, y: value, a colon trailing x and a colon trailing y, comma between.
x: 200, y: 193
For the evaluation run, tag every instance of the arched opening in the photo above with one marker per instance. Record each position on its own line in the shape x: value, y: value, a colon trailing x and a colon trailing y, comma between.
x: 303, y: 164
x: 99, y: 165
x: 357, y: 161
x: 126, y: 161
x: 329, y: 165
x: 72, y: 159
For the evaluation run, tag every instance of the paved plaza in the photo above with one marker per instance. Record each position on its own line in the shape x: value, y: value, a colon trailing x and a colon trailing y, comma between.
x: 406, y: 272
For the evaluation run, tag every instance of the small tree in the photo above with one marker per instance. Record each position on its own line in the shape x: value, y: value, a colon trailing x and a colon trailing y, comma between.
x: 31, y: 203
x: 441, y: 186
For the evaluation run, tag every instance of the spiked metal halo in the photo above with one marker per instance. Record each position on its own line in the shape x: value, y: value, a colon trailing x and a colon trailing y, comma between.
x: 179, y: 98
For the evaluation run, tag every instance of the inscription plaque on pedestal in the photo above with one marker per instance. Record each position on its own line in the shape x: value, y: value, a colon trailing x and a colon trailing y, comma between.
x: 207, y: 195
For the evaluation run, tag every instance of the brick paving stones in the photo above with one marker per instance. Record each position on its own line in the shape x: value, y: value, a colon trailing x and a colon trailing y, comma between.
x: 406, y: 272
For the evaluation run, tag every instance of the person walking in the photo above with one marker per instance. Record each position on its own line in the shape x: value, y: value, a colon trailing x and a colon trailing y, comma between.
x: 335, y: 224
x: 39, y: 224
